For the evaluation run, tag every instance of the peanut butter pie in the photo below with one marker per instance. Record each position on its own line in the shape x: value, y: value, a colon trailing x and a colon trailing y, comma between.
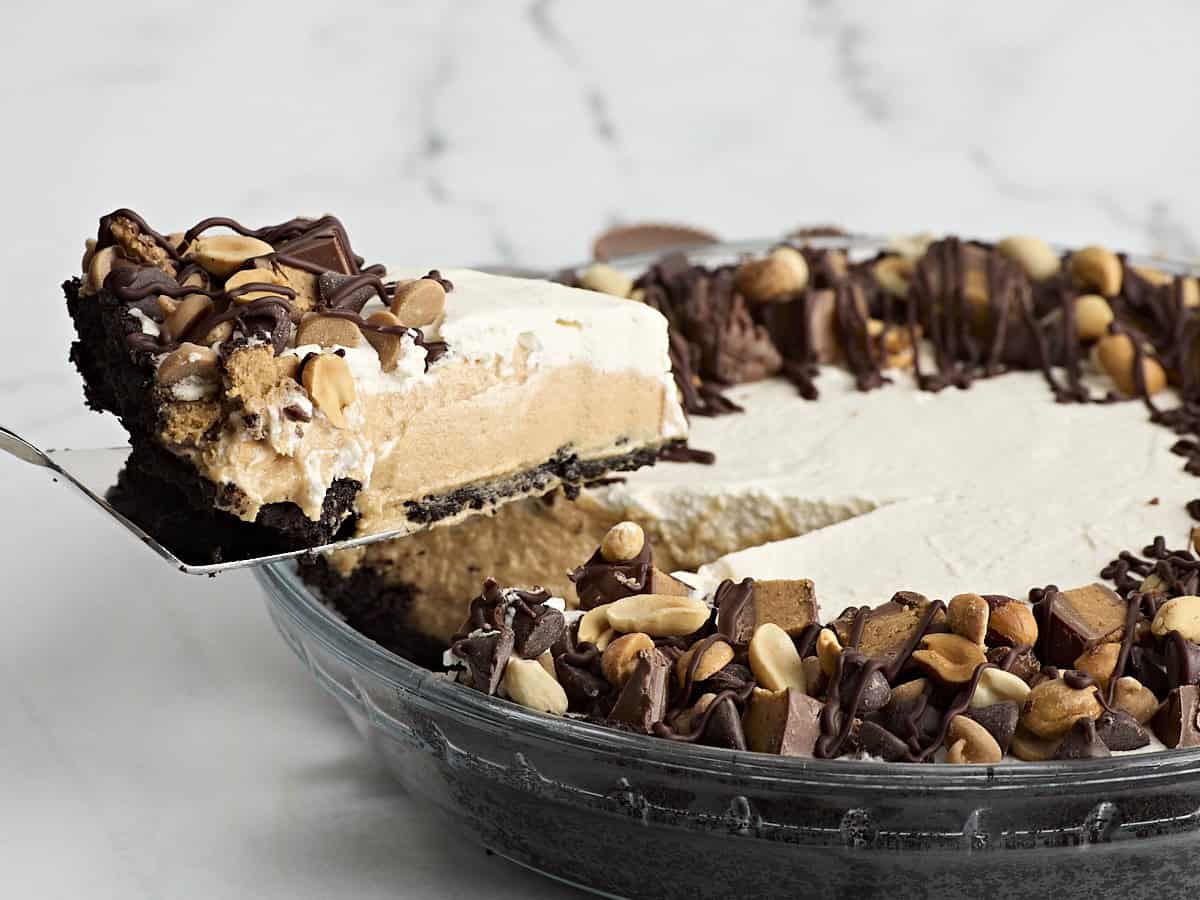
x: 935, y: 507
x: 278, y: 393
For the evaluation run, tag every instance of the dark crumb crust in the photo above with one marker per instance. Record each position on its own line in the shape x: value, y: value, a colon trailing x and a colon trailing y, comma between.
x: 375, y: 608
x: 169, y: 499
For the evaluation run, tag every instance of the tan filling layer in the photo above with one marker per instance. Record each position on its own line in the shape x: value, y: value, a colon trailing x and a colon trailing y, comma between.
x: 472, y: 423
x: 545, y: 539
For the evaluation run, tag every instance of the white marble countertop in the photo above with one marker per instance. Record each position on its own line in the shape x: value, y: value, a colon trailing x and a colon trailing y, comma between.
x: 158, y: 739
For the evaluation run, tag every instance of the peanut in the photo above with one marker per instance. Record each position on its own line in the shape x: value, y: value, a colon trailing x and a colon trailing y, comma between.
x: 1034, y: 255
x: 949, y: 658
x: 188, y: 311
x: 331, y: 386
x: 621, y: 657
x: 967, y: 615
x: 1029, y: 747
x: 1180, y: 614
x: 894, y: 275
x: 1053, y: 707
x: 779, y: 275
x: 659, y: 615
x: 224, y: 254
x: 1012, y: 624
x: 623, y: 542
x: 829, y: 648
x: 1114, y: 353
x: 386, y: 345
x: 971, y: 743
x: 1099, y: 662
x: 996, y: 686
x: 593, y: 626
x: 606, y: 280
x: 99, y: 266
x: 774, y: 660
x: 1135, y: 698
x: 1093, y: 315
x: 527, y: 682
x: 1097, y: 269
x: 715, y: 657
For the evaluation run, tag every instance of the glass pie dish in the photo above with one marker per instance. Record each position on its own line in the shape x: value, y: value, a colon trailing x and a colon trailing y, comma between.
x: 633, y: 816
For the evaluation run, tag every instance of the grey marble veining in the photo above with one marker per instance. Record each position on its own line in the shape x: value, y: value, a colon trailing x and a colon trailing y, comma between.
x: 450, y: 133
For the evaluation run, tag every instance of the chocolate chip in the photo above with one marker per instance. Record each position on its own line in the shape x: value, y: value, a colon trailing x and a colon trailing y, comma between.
x: 878, y: 741
x: 582, y: 687
x: 1121, y: 731
x: 537, y: 631
x: 486, y: 656
x: 1024, y: 665
x: 643, y: 700
x: 328, y: 284
x: 1176, y: 721
x: 1147, y: 667
x: 724, y: 727
x: 1082, y: 742
x: 736, y: 618
x: 734, y: 677
x: 1181, y: 659
x: 1000, y: 720
x: 863, y: 681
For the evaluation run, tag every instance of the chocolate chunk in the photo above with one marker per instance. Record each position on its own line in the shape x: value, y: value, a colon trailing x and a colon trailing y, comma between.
x: 734, y: 677
x: 864, y: 688
x: 732, y: 348
x: 1000, y: 720
x: 1082, y: 742
x: 1024, y: 665
x: 735, y: 610
x: 1147, y: 667
x: 785, y: 722
x: 878, y: 741
x: 136, y: 282
x: 1182, y: 660
x: 327, y: 250
x: 789, y: 603
x: 909, y: 714
x: 1176, y: 722
x: 599, y: 581
x: 643, y: 700
x: 582, y: 687
x: 537, y: 633
x: 486, y: 655
x: 724, y: 727
x: 1121, y: 731
x: 486, y: 611
x: 890, y: 628
x: 1071, y: 622
x: 328, y: 284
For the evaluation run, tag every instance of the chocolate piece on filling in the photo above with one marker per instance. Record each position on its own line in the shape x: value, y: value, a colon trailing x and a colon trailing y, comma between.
x: 643, y: 700
x: 583, y: 688
x: 889, y: 629
x: 328, y: 284
x: 785, y: 722
x: 1000, y: 720
x: 1176, y: 721
x: 1182, y: 660
x: 735, y: 610
x: 1121, y: 731
x: 1082, y: 742
x: 599, y: 581
x: 878, y: 741
x: 486, y: 656
x: 1074, y: 621
x: 536, y: 629
x: 326, y: 250
x: 789, y: 603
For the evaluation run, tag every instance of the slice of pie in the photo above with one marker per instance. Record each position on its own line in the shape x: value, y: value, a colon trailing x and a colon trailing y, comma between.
x: 279, y: 394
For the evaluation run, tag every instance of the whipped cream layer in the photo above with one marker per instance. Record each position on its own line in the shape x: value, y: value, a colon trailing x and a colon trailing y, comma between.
x: 533, y: 369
